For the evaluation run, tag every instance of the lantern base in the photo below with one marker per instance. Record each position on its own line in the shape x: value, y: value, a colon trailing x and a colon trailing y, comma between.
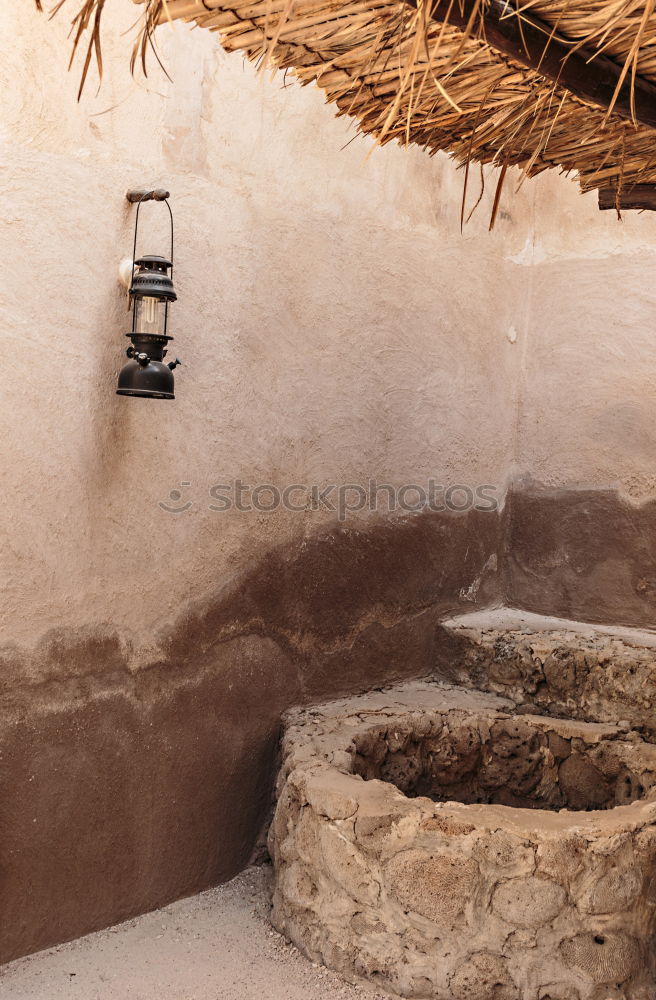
x: 145, y: 393
x: 146, y: 377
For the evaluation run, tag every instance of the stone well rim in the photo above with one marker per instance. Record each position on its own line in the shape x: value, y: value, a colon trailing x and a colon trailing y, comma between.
x: 341, y: 722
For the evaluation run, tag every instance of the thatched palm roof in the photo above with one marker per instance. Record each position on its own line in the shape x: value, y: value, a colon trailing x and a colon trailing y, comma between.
x: 528, y: 83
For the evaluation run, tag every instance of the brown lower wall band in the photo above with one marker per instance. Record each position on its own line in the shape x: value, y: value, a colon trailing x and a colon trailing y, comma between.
x: 587, y: 555
x: 121, y: 791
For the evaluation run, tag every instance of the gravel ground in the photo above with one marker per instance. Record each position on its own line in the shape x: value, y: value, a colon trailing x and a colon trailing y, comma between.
x: 215, y: 946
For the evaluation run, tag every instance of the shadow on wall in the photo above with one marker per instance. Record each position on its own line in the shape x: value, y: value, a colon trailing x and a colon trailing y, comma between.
x: 124, y: 789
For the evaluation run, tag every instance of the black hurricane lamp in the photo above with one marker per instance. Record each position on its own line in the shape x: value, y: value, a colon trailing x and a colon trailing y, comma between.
x: 151, y: 292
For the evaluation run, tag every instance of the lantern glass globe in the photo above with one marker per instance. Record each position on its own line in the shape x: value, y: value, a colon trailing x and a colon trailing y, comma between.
x: 150, y: 315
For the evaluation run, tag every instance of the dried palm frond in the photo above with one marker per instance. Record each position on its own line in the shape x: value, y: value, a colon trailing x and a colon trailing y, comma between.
x: 87, y: 19
x: 86, y: 26
x: 404, y: 76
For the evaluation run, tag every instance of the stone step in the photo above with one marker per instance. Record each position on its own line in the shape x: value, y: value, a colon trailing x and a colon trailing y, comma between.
x: 575, y: 670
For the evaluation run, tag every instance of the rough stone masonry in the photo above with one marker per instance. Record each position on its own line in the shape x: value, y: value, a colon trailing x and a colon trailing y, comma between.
x: 430, y: 840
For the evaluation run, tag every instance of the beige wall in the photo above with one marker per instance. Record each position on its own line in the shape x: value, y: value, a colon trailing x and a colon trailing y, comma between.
x: 581, y: 518
x: 332, y: 321
x: 587, y: 411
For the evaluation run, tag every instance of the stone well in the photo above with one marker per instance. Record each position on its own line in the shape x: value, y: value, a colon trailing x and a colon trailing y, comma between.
x: 430, y: 841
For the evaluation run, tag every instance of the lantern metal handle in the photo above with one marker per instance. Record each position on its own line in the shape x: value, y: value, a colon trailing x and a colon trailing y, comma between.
x: 138, y: 197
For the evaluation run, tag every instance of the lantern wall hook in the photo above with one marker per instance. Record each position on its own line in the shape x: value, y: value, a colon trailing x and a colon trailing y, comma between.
x: 151, y: 292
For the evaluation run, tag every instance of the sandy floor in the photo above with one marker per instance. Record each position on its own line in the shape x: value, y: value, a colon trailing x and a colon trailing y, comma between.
x: 216, y: 946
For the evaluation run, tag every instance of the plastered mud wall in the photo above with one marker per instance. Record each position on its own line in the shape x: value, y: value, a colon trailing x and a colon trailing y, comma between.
x: 123, y: 787
x: 588, y: 380
x: 333, y: 326
x: 586, y: 554
x: 581, y: 517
